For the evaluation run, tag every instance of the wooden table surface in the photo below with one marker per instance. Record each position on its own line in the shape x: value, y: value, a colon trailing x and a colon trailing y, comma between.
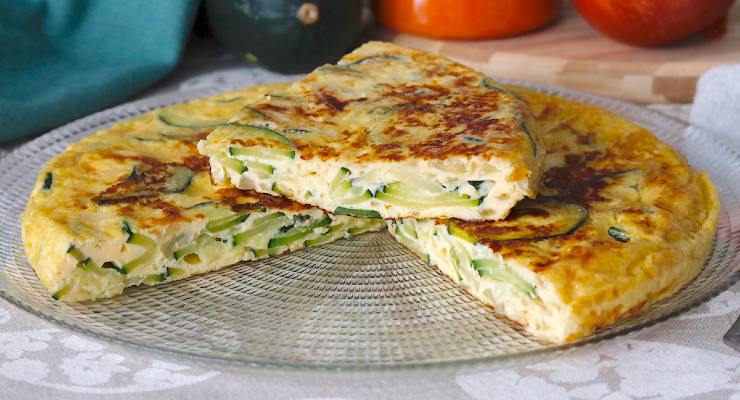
x: 569, y: 53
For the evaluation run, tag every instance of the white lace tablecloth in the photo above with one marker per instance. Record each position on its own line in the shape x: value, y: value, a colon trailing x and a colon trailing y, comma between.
x: 681, y: 358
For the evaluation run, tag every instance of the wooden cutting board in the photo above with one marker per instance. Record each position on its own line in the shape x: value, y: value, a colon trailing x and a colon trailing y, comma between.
x: 569, y: 53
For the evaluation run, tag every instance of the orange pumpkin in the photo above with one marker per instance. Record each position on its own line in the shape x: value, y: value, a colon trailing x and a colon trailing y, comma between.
x: 466, y: 19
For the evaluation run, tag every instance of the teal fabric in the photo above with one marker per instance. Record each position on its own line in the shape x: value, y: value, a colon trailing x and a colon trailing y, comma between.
x: 64, y: 59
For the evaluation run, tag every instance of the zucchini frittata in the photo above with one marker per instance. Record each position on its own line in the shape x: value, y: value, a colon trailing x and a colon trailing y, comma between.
x: 387, y: 132
x: 134, y: 204
x: 620, y: 222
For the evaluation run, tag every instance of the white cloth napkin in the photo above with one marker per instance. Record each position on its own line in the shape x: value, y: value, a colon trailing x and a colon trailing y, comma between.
x: 717, y: 103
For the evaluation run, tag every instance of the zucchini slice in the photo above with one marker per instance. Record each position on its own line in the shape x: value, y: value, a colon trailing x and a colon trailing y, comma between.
x: 178, y: 180
x: 76, y: 253
x: 185, y: 137
x: 173, y: 118
x: 488, y: 268
x: 365, y: 196
x: 406, y: 195
x: 201, y: 204
x: 82, y: 261
x: 231, y: 100
x: 402, y: 190
x: 490, y: 84
x: 403, y: 228
x: 357, y: 212
x: 255, y: 113
x: 175, y: 272
x: 277, y: 189
x: 190, y: 249
x: 137, y: 239
x: 375, y: 57
x: 618, y: 234
x: 341, y: 188
x: 61, y: 292
x: 144, y: 182
x: 459, y: 261
x: 413, y: 202
x: 340, y: 185
x: 88, y: 263
x: 297, y: 233
x: 259, y: 130
x: 268, y: 169
x: 412, y: 183
x: 111, y: 265
x: 543, y: 218
x: 454, y: 230
x: 261, y: 152
x: 260, y: 253
x: 241, y: 166
x: 341, y: 69
x: 327, y: 237
x: 267, y: 223
x: 48, y: 180
x: 406, y: 238
x: 364, y: 227
x: 154, y: 279
x: 222, y: 224
x: 234, y: 165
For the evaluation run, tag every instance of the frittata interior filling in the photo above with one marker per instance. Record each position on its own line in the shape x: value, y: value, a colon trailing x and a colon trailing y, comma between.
x: 472, y: 265
x: 364, y: 190
x: 226, y: 238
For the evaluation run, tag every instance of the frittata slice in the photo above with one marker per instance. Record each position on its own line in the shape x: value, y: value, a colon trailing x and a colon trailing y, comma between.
x: 621, y: 221
x: 134, y: 204
x: 387, y: 132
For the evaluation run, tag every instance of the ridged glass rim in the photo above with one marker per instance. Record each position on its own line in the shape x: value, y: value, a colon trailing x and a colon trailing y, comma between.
x: 652, y: 120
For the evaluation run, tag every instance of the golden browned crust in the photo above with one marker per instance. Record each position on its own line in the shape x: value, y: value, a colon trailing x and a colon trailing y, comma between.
x: 387, y: 103
x: 123, y: 207
x: 243, y: 200
x: 626, y: 179
x: 122, y: 173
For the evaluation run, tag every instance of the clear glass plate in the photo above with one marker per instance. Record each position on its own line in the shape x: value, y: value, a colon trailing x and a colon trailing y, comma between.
x: 363, y: 303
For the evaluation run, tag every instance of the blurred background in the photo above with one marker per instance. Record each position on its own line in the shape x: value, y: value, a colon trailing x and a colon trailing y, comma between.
x: 64, y: 59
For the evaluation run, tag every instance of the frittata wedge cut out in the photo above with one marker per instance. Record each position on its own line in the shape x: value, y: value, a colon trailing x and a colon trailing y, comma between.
x: 387, y: 132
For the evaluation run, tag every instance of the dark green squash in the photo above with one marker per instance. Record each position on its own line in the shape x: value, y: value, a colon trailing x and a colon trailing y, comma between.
x: 288, y: 36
